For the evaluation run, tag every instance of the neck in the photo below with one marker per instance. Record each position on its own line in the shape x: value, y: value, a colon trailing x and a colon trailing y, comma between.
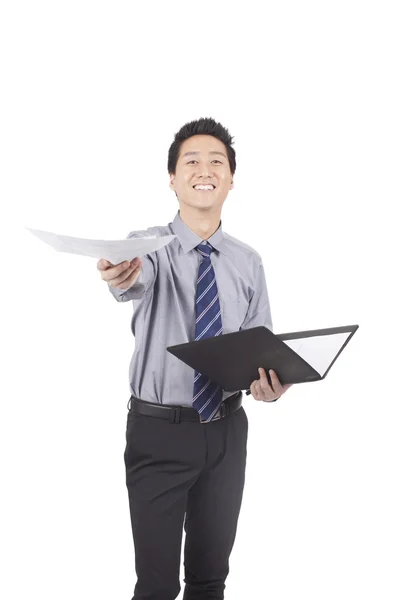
x: 203, y: 224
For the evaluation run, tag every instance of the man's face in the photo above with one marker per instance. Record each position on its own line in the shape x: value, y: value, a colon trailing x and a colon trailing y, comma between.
x: 202, y: 160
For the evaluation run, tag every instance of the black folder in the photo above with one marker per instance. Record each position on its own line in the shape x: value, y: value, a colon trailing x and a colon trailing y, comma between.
x: 232, y: 360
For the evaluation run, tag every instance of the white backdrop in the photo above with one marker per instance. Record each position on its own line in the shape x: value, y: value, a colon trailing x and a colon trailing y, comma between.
x: 92, y: 94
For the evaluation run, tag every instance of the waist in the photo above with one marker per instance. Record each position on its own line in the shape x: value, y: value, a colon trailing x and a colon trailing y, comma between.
x: 175, y: 414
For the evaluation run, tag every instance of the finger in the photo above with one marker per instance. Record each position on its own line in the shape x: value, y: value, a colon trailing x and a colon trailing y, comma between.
x: 278, y: 387
x: 113, y: 272
x: 254, y: 391
x: 259, y: 390
x: 103, y: 264
x: 125, y: 275
x: 262, y: 391
x: 126, y: 283
x: 267, y: 395
x: 264, y: 384
x: 127, y: 278
x: 261, y: 394
x: 276, y: 384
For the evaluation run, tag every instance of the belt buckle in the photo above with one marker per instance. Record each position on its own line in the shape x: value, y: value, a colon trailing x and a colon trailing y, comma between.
x: 215, y: 417
x: 220, y: 414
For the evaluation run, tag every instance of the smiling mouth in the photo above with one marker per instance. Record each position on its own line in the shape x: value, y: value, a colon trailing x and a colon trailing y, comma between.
x: 203, y: 189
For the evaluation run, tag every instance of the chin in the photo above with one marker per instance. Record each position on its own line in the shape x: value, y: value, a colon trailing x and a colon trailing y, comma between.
x: 198, y: 202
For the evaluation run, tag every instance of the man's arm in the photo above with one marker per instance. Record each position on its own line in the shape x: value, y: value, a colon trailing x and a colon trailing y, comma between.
x: 259, y: 311
x: 146, y: 278
x: 143, y: 283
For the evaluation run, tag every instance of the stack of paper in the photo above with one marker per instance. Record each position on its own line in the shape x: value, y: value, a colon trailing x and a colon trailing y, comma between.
x: 115, y: 251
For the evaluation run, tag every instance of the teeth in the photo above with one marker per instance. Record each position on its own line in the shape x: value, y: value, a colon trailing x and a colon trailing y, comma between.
x: 203, y: 187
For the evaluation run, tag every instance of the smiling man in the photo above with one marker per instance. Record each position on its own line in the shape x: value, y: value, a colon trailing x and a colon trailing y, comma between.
x: 201, y: 179
x: 186, y: 437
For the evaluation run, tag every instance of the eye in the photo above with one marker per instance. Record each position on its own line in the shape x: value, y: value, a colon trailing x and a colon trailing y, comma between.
x: 215, y: 160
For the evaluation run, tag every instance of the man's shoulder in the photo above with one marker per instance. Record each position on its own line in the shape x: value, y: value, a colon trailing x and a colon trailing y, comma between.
x: 239, y: 246
x: 157, y: 230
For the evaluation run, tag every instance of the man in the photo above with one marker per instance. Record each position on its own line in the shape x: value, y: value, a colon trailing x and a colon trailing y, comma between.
x: 186, y: 438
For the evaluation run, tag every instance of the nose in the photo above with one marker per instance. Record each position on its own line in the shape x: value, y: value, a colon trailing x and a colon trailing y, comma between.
x: 205, y: 173
x: 204, y: 169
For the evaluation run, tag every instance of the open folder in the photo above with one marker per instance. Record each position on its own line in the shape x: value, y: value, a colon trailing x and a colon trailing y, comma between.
x: 232, y: 360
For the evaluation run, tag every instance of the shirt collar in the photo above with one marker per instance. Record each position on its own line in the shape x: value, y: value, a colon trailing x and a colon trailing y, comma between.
x: 189, y: 239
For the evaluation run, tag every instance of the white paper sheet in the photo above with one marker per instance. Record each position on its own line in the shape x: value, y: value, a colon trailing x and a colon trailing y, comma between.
x: 115, y: 251
x: 319, y: 350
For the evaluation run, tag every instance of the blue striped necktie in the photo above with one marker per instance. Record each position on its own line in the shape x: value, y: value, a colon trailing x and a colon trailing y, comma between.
x: 207, y: 396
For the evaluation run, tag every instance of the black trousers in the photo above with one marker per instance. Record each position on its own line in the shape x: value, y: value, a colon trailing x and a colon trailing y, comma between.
x: 187, y: 475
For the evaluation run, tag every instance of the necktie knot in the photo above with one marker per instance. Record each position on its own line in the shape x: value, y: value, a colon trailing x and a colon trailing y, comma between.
x: 205, y: 249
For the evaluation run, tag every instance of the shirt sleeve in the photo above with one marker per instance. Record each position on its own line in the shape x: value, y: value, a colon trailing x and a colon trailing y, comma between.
x: 259, y: 311
x: 146, y: 278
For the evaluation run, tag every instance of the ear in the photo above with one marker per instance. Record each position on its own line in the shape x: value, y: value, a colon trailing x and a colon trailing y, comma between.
x: 232, y: 184
x: 171, y: 181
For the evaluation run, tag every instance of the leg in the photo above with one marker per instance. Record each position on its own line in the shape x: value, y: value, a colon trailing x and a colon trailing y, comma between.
x: 213, y: 508
x: 161, y: 466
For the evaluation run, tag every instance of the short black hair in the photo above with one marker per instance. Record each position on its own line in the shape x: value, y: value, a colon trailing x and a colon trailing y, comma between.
x: 203, y: 126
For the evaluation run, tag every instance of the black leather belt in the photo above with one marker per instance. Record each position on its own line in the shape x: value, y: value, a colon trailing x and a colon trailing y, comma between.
x: 175, y: 414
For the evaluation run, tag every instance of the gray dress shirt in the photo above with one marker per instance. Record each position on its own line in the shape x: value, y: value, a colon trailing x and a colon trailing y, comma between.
x: 164, y: 311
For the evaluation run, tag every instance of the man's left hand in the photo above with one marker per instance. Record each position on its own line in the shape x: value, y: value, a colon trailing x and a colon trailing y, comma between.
x: 262, y: 390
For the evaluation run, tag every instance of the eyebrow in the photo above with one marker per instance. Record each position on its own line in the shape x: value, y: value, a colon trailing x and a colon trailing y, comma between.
x: 213, y: 152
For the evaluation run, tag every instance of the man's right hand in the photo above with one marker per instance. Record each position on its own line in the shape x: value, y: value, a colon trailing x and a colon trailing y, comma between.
x: 121, y: 276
